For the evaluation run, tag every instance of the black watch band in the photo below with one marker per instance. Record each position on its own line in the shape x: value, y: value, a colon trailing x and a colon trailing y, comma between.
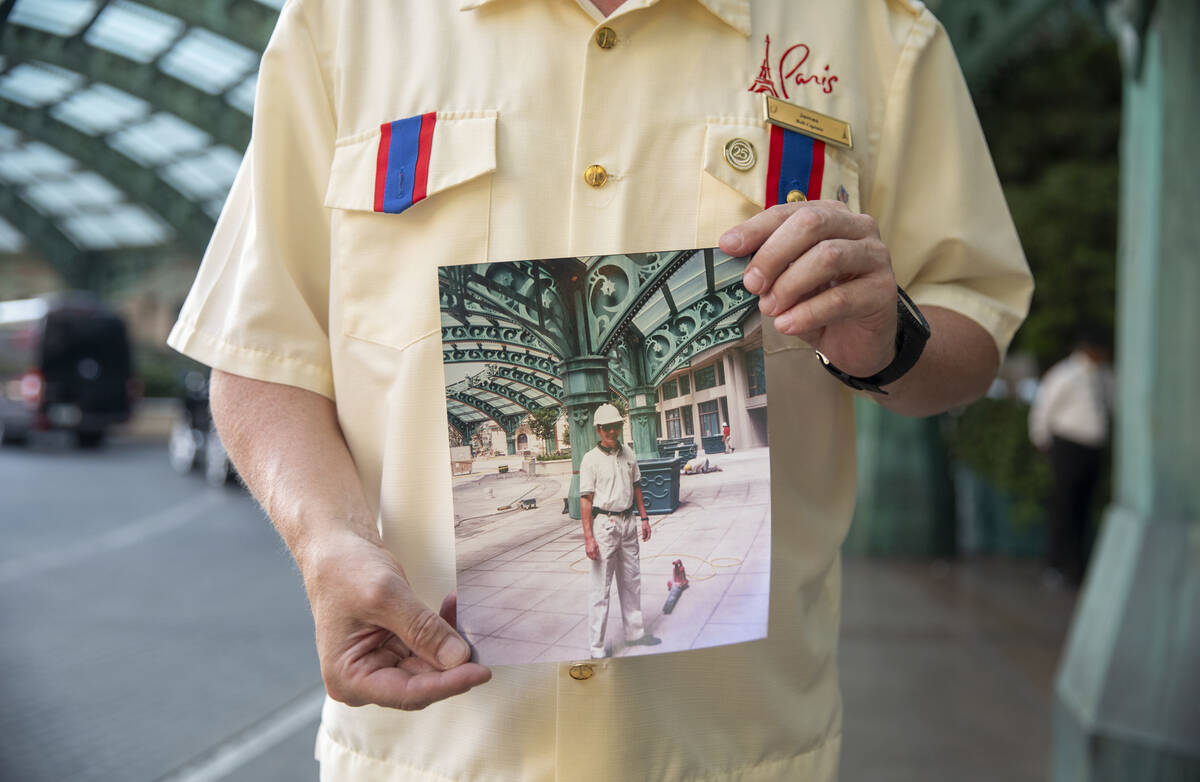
x: 912, y: 332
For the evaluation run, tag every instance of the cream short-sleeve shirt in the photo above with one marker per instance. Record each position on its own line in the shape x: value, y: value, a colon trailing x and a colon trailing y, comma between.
x: 305, y: 283
x: 609, y: 478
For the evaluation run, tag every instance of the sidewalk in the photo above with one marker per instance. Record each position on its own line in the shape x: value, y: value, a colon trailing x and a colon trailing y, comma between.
x: 524, y: 578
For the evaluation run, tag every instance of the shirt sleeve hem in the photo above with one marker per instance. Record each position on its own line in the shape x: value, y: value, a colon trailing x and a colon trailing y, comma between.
x: 997, y: 320
x: 254, y: 363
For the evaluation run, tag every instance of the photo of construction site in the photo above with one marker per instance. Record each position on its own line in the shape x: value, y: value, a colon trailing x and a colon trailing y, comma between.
x: 608, y: 436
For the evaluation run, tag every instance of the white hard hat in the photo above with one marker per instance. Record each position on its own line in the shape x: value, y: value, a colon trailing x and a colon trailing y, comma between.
x: 607, y: 414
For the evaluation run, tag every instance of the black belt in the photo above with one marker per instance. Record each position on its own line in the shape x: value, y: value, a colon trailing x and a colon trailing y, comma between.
x: 614, y: 512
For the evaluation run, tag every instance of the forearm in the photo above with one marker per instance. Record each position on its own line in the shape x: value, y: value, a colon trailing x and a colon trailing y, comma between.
x: 289, y: 449
x: 641, y: 501
x: 957, y: 367
x: 585, y: 515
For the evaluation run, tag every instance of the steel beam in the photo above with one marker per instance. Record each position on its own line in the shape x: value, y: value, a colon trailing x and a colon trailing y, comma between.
x: 210, y: 113
x: 140, y: 184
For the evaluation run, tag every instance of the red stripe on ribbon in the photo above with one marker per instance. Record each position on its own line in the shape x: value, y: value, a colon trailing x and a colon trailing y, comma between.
x: 424, y: 148
x: 817, y: 172
x: 381, y: 163
x: 774, y: 161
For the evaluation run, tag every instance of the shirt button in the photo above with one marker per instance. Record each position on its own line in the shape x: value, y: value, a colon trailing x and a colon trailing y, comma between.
x: 795, y: 195
x: 595, y: 176
x: 606, y: 38
x: 581, y: 671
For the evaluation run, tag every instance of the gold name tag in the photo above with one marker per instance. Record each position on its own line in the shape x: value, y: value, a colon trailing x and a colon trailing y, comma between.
x: 806, y: 121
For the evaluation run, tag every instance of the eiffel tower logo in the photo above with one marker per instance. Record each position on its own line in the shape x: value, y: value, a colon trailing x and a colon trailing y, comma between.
x: 764, y: 82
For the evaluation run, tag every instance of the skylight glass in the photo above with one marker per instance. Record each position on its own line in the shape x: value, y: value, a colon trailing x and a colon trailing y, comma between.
x: 132, y: 30
x: 100, y: 109
x: 8, y: 137
x: 276, y: 4
x: 81, y: 192
x: 33, y: 162
x: 208, y: 61
x: 36, y: 84
x: 162, y: 138
x: 241, y: 97
x: 204, y: 176
x: 61, y: 17
x: 11, y: 240
x: 127, y: 225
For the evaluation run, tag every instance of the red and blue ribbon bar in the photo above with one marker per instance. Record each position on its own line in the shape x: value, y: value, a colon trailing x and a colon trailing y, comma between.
x: 402, y: 165
x: 796, y: 162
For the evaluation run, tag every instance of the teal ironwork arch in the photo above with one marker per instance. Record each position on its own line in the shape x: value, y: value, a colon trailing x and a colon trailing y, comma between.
x: 505, y: 420
x: 504, y: 333
x: 522, y: 293
x: 551, y: 387
x: 680, y: 335
x: 241, y: 21
x: 537, y: 362
x: 211, y: 113
x: 618, y: 286
x: 464, y: 429
x: 507, y: 392
x: 718, y: 335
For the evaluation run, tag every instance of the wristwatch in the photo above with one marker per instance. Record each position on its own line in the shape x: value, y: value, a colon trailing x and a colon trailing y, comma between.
x: 912, y: 332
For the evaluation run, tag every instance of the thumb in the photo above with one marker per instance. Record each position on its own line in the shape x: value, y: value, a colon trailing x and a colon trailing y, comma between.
x: 428, y: 635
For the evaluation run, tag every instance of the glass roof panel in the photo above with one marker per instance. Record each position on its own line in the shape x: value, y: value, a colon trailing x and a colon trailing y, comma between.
x: 208, y: 61
x: 162, y: 138
x: 276, y: 4
x: 82, y: 191
x: 206, y: 175
x: 61, y: 17
x: 36, y: 84
x: 213, y: 207
x: 33, y: 162
x: 127, y: 225
x: 241, y: 97
x: 8, y: 137
x: 132, y: 30
x: 11, y: 240
x: 100, y: 109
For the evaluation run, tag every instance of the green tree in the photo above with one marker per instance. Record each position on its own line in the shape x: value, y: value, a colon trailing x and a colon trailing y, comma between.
x: 544, y: 423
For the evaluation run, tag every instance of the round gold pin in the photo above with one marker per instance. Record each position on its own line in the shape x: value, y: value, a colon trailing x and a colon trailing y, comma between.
x: 796, y: 195
x: 740, y: 154
x: 581, y: 672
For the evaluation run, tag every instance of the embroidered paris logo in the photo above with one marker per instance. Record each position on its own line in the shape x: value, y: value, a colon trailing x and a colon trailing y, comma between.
x: 791, y: 70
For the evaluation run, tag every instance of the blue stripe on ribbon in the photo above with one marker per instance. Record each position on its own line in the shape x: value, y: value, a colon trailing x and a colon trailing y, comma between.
x: 795, y: 166
x: 402, y: 164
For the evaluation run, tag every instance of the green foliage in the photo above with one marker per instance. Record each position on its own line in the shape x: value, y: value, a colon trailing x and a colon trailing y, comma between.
x: 554, y: 457
x: 990, y: 438
x: 543, y: 423
x: 1052, y: 121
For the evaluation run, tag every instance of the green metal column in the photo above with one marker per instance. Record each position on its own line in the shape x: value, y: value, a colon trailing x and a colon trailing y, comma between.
x: 642, y: 415
x: 905, y: 500
x: 511, y: 424
x: 1128, y: 690
x: 585, y: 387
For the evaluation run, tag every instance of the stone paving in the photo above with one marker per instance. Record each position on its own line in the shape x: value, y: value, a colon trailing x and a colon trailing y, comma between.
x: 524, y: 579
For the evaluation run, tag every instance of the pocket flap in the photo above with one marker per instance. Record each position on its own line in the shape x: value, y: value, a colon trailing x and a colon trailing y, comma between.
x: 815, y: 169
x: 748, y: 140
x: 392, y: 167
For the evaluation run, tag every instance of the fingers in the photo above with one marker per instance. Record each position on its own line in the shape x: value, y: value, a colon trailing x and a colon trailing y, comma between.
x: 449, y: 610
x: 414, y: 685
x: 855, y: 300
x: 826, y: 264
x: 393, y: 605
x: 779, y: 235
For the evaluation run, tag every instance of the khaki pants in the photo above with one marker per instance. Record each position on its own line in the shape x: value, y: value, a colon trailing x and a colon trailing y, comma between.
x: 617, y: 537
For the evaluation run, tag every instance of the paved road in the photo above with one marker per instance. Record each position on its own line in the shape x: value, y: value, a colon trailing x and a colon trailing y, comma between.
x: 151, y: 627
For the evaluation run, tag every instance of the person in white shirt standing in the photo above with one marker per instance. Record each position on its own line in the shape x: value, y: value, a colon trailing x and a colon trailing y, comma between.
x: 609, y: 486
x: 1070, y: 420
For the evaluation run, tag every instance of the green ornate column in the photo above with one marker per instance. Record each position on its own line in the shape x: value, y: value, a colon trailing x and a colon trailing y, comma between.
x: 511, y: 424
x: 585, y: 387
x: 642, y: 415
x: 1128, y: 690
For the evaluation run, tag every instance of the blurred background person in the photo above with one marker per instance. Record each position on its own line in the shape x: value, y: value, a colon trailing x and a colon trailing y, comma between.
x: 1071, y: 421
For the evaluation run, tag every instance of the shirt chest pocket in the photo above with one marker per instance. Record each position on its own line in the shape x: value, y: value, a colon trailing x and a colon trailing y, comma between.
x: 406, y: 198
x: 750, y: 165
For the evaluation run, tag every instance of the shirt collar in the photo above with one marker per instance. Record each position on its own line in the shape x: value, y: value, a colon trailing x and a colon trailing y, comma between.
x: 735, y: 13
x: 617, y: 449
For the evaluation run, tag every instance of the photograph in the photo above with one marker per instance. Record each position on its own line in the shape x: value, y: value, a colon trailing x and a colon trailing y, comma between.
x: 607, y: 418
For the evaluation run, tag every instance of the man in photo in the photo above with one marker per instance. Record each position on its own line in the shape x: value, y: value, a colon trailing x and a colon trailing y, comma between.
x: 609, y: 486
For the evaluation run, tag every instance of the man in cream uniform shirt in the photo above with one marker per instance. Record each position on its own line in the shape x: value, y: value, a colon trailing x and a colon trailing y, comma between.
x: 393, y: 137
